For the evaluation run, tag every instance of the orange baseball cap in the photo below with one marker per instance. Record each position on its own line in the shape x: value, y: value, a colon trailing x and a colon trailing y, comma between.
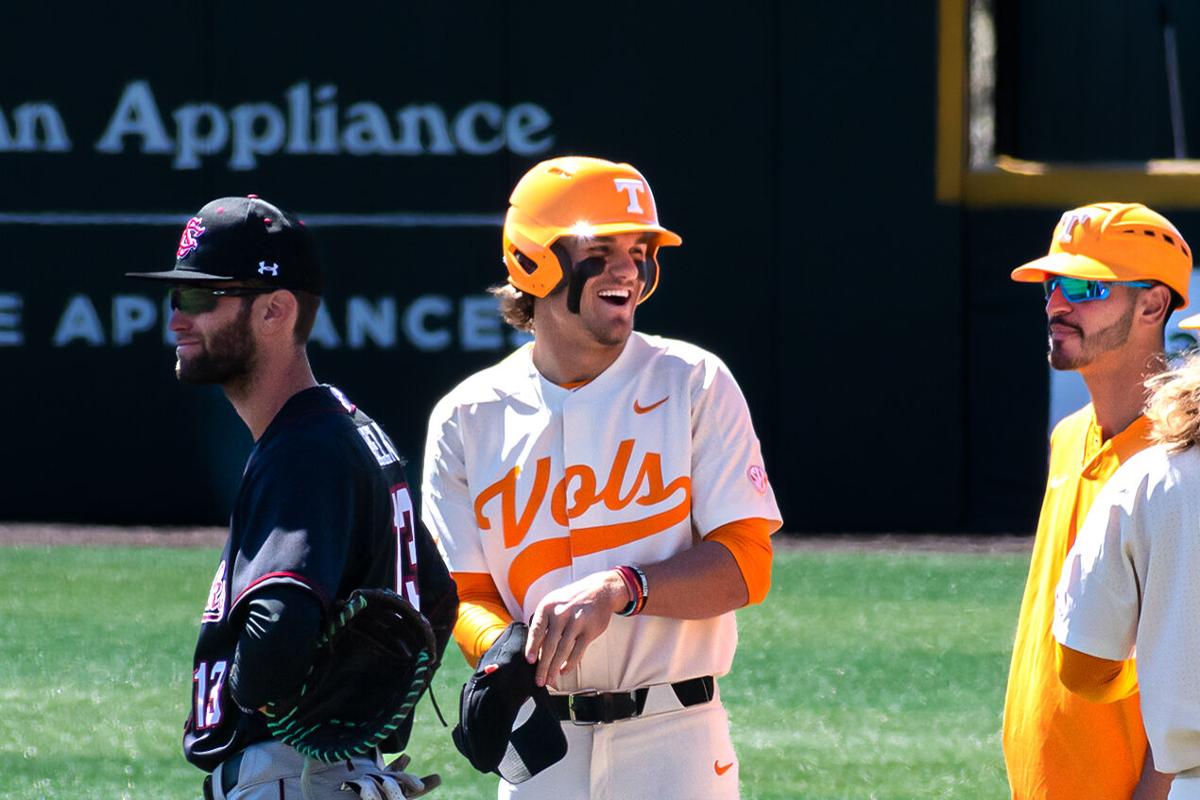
x: 1115, y: 242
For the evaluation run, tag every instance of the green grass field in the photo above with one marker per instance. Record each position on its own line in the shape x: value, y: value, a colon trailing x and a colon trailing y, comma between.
x: 877, y: 676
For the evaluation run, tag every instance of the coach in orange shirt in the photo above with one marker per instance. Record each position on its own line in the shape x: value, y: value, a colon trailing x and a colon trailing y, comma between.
x: 1114, y: 273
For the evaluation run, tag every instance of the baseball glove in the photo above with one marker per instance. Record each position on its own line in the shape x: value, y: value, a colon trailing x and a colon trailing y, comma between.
x: 372, y: 663
x: 501, y: 692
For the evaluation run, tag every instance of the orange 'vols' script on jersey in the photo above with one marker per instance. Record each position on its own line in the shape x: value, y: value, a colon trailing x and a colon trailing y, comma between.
x: 550, y: 554
x: 540, y: 485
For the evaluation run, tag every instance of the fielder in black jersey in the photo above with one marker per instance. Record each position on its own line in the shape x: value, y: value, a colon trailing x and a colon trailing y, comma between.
x: 323, y: 508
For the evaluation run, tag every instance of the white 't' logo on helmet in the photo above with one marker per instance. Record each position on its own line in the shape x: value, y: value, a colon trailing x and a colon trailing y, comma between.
x: 631, y: 188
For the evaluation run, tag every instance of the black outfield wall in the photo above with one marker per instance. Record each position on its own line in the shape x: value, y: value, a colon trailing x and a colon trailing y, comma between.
x: 896, y: 378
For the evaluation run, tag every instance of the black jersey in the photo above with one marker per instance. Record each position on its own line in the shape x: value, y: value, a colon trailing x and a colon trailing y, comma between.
x: 324, y: 505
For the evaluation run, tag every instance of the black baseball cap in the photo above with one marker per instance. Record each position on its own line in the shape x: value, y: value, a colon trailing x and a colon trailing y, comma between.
x: 241, y: 239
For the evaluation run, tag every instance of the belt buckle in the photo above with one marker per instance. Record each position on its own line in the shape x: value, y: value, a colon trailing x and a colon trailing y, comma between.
x: 571, y: 707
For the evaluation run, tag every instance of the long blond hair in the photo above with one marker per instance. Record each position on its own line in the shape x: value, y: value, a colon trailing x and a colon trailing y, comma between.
x: 1173, y: 407
x: 516, y: 307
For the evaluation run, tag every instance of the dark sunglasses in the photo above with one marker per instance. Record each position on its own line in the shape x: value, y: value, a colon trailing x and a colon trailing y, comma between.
x: 202, y: 299
x: 1082, y: 290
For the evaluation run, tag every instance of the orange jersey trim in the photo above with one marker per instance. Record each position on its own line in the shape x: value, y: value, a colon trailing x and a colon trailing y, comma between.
x: 749, y: 540
x: 1100, y: 680
x: 482, y: 616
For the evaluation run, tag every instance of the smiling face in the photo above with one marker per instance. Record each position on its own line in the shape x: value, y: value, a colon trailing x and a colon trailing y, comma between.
x: 615, y: 270
x: 1082, y: 333
x: 215, y: 346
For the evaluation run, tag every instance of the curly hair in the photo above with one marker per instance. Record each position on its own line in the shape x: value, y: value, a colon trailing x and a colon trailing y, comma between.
x: 1174, y: 405
x: 515, y: 306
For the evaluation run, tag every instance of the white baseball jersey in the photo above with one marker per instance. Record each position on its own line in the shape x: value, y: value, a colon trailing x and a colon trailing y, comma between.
x: 540, y: 486
x: 1131, y: 580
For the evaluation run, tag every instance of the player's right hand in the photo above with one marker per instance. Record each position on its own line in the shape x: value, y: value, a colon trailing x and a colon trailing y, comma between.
x: 569, y: 619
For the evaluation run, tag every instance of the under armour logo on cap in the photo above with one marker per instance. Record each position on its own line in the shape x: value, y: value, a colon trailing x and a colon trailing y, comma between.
x: 264, y: 268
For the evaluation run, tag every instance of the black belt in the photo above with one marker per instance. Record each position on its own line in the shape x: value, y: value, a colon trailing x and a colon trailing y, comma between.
x: 590, y: 708
x: 228, y: 770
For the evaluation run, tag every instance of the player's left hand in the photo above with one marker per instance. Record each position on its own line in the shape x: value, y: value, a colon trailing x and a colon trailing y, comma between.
x: 393, y: 783
x: 569, y: 619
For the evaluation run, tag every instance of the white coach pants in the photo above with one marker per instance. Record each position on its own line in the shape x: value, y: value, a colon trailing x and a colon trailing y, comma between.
x: 1186, y: 785
x: 682, y: 755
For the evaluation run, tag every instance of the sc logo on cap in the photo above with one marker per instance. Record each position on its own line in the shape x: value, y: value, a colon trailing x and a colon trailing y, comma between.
x: 187, y: 240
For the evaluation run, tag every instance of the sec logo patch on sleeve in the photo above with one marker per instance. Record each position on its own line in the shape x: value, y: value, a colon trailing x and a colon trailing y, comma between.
x: 758, y: 477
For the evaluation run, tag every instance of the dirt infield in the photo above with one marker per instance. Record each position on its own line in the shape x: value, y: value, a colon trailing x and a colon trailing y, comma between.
x: 58, y: 534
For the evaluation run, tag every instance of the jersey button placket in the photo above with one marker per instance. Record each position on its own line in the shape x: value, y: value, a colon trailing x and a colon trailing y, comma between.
x: 571, y: 421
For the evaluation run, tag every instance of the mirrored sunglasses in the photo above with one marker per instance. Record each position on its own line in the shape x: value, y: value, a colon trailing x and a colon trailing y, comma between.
x: 202, y: 299
x: 1082, y: 290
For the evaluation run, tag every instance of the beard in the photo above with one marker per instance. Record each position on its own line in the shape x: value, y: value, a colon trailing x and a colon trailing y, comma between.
x: 609, y: 334
x: 227, y: 357
x: 606, y: 331
x: 1093, y: 345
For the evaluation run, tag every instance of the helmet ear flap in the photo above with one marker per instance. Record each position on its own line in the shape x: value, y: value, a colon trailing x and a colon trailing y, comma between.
x: 652, y: 272
x: 532, y: 268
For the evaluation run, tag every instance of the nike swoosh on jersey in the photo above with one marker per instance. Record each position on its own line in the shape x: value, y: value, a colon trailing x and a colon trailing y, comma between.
x: 1057, y: 481
x: 721, y: 769
x: 640, y: 409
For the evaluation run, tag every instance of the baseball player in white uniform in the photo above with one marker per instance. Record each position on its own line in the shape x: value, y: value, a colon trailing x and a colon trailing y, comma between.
x: 606, y: 487
x: 1130, y: 587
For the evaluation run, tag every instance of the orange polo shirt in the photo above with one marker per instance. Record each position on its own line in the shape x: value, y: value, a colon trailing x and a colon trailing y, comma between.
x: 1058, y: 746
x: 1095, y: 678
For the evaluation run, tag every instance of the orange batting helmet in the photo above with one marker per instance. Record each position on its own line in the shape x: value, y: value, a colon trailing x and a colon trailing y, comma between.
x: 576, y: 196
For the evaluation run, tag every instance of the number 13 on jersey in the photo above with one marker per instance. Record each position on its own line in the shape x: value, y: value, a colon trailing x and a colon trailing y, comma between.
x: 208, y: 681
x: 406, y: 545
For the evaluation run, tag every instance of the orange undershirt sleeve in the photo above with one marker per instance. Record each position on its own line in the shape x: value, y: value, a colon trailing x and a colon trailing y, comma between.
x: 482, y: 616
x: 1100, y: 680
x: 749, y: 540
